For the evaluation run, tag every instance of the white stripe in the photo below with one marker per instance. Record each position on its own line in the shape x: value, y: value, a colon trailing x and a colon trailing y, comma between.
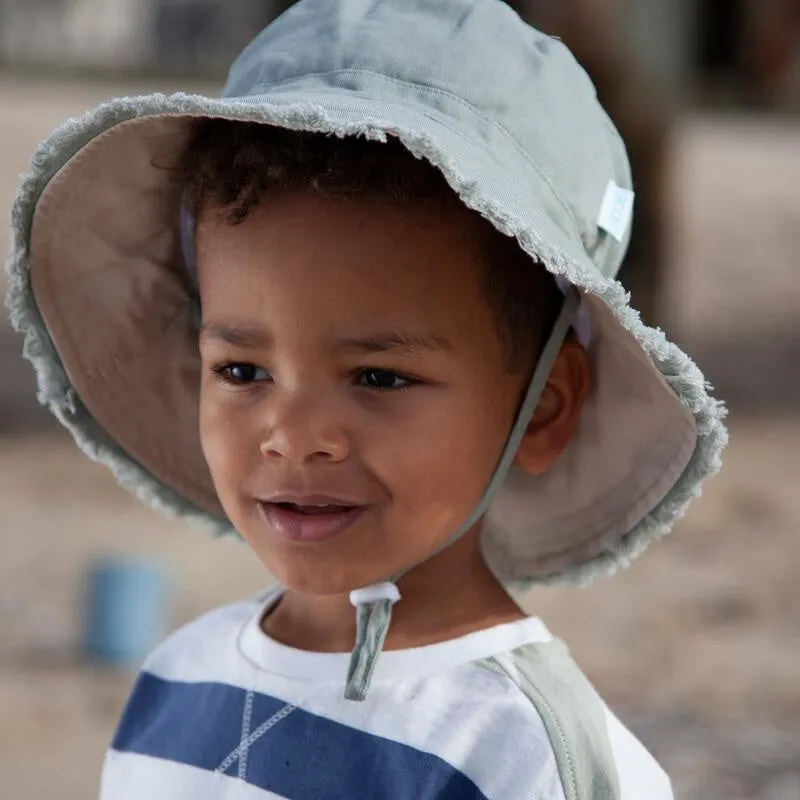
x: 208, y: 650
x: 640, y: 776
x: 434, y: 659
x: 205, y: 649
x: 130, y: 776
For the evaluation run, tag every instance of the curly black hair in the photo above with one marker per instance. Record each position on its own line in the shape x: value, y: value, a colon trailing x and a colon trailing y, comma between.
x: 230, y: 165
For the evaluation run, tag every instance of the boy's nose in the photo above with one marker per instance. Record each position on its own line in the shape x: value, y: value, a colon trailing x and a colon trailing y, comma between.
x: 304, y: 431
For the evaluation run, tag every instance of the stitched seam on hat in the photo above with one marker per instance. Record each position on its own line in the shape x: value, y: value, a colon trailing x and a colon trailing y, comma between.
x: 446, y: 93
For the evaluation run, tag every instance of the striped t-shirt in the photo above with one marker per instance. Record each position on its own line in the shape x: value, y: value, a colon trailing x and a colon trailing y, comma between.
x: 220, y: 710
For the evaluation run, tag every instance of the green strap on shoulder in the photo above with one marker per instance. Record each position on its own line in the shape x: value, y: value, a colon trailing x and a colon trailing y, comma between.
x: 573, y: 715
x: 372, y: 621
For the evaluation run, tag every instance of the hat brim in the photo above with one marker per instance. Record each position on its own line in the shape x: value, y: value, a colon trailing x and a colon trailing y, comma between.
x: 99, y: 287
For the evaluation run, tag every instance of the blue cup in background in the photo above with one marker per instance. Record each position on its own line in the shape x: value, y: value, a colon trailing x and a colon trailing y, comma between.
x: 126, y: 610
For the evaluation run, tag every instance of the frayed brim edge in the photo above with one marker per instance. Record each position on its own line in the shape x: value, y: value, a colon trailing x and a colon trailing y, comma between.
x: 56, y: 392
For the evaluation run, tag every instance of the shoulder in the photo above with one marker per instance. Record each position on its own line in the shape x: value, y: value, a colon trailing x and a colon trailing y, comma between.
x: 594, y: 756
x: 640, y: 775
x: 201, y: 648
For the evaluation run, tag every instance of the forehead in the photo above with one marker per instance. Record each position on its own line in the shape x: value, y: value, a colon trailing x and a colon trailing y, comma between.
x: 329, y: 263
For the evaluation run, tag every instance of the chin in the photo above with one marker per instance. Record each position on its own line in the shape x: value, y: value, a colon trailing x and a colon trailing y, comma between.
x: 317, y: 577
x: 332, y: 568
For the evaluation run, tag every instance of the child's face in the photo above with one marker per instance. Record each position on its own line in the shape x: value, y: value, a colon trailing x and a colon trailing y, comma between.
x: 349, y: 358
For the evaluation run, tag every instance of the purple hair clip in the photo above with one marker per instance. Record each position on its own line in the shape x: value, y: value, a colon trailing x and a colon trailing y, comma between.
x: 581, y: 323
x: 188, y: 227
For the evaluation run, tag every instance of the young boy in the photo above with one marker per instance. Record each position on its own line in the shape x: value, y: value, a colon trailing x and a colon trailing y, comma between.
x: 361, y: 311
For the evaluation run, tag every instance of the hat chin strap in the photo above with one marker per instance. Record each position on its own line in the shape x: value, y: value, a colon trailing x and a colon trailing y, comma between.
x: 374, y: 603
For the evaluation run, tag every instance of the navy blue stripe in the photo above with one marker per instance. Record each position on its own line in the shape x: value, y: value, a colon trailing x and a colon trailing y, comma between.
x: 302, y: 757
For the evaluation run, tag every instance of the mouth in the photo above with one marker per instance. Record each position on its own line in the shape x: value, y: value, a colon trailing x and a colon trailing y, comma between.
x: 312, y: 519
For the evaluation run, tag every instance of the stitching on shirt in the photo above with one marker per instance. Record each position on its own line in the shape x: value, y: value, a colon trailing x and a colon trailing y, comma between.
x: 445, y: 92
x: 556, y: 723
x: 246, y: 718
x: 244, y: 746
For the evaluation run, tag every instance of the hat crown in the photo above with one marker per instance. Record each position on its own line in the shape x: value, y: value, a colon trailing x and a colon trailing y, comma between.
x: 469, y: 59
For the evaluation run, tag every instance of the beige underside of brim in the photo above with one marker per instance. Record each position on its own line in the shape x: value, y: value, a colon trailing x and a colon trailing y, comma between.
x: 110, y: 283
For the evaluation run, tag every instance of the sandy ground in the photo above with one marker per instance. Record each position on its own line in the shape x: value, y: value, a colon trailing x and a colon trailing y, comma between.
x: 697, y: 647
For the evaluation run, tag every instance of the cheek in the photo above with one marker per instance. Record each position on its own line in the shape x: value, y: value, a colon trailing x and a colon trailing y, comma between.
x: 439, y: 461
x: 227, y: 444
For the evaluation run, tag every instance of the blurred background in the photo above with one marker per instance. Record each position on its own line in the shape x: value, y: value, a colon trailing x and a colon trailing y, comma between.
x: 698, y: 647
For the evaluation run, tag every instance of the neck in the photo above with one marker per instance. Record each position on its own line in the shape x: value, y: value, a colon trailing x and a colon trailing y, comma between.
x: 450, y: 595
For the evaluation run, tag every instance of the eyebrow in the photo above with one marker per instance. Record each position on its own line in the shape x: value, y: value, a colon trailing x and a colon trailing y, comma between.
x: 254, y: 338
x: 249, y: 337
x: 395, y: 342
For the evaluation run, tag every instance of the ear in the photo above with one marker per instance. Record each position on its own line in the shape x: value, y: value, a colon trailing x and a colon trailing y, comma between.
x: 558, y: 413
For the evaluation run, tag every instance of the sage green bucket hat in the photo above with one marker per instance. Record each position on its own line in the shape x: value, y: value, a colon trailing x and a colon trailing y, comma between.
x: 99, y: 285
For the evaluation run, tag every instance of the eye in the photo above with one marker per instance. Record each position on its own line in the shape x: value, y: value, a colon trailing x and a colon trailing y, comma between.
x: 240, y: 373
x: 384, y: 380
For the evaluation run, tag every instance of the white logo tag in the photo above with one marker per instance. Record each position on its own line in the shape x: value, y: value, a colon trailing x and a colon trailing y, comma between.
x: 616, y: 210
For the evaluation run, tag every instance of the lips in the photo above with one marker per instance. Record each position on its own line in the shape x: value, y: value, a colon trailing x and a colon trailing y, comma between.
x: 312, y: 509
x: 313, y: 518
